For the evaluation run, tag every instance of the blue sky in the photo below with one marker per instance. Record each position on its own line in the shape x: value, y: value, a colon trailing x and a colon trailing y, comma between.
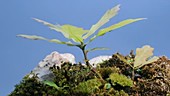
x: 19, y: 56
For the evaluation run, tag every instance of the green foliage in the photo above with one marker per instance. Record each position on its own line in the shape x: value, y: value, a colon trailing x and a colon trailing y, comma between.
x: 118, y: 25
x: 106, y: 17
x: 112, y: 78
x: 105, y: 72
x: 78, y: 35
x: 120, y: 79
x: 121, y: 93
x: 50, y: 83
x: 72, y: 74
x: 78, y: 80
x: 113, y: 27
x: 34, y: 37
x: 88, y: 87
x: 74, y: 33
x: 97, y: 48
x: 32, y: 87
x: 69, y: 31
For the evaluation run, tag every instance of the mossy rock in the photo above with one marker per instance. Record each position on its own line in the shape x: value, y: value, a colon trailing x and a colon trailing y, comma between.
x: 111, y: 78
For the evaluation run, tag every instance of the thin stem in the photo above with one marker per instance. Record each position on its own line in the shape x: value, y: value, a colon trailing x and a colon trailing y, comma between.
x: 133, y: 74
x: 82, y: 47
x: 98, y: 74
x: 85, y: 57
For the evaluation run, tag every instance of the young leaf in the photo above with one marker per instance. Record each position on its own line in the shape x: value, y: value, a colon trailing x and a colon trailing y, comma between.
x: 75, y: 33
x: 142, y: 55
x: 69, y: 43
x: 118, y: 25
x: 97, y: 48
x: 34, y: 37
x: 52, y: 84
x: 51, y: 26
x: 115, y: 26
x: 106, y: 17
x: 69, y: 31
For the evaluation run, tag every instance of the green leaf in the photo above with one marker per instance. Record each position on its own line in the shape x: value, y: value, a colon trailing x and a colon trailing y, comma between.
x: 91, y: 39
x: 34, y: 37
x: 69, y: 43
x: 69, y: 31
x: 118, y: 25
x: 106, y: 17
x: 75, y: 33
x: 115, y: 26
x: 52, y: 84
x: 97, y: 48
x: 51, y: 26
x: 142, y: 55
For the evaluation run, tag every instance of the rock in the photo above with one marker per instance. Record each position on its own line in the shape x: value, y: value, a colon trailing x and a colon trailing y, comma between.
x: 54, y: 59
x: 98, y: 60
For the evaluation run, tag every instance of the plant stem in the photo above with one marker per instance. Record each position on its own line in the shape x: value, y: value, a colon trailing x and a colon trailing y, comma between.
x: 133, y: 74
x: 98, y: 74
x: 85, y: 56
x: 82, y: 47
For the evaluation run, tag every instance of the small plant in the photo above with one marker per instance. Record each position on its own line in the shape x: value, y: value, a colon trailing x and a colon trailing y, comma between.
x: 79, y: 35
x: 143, y: 57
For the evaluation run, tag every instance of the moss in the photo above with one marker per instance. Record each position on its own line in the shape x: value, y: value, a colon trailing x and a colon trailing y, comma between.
x: 105, y: 72
x: 88, y: 87
x: 120, y: 79
x: 78, y: 80
x: 32, y: 87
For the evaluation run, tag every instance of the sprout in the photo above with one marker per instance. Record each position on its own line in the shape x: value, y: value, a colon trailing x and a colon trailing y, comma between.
x: 79, y: 35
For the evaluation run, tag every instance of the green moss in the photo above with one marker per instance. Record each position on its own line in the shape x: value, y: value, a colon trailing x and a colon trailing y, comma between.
x: 121, y: 93
x: 32, y: 87
x: 77, y: 80
x: 106, y: 71
x: 88, y: 87
x: 120, y: 79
